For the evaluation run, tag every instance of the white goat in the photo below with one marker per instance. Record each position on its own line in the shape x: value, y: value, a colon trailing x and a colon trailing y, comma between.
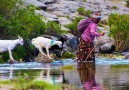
x: 8, y: 45
x: 41, y: 42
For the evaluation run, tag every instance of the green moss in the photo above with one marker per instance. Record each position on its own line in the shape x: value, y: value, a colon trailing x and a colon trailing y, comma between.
x: 67, y: 55
x: 120, y: 66
x: 114, y: 7
x: 25, y: 84
x: 67, y: 67
x: 5, y: 82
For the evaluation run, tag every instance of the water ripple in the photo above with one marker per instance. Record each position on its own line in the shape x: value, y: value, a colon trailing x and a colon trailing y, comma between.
x: 59, y: 63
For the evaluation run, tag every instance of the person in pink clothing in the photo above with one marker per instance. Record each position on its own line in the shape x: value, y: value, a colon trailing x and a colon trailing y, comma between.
x: 86, y: 71
x: 87, y: 38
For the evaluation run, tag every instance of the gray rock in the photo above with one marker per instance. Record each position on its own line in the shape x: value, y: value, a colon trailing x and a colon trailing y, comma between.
x: 124, y: 53
x: 126, y: 56
x: 48, y: 1
x: 107, y: 48
x: 72, y: 42
x: 46, y: 14
x: 64, y: 21
x: 36, y: 3
x: 65, y: 29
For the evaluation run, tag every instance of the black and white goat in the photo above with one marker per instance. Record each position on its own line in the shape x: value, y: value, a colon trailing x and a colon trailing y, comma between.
x: 41, y: 42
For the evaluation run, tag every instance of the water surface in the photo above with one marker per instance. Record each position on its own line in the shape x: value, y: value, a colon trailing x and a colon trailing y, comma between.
x: 104, y: 74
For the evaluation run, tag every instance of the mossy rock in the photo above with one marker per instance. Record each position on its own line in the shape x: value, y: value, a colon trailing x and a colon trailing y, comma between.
x: 67, y: 55
x: 44, y: 59
x: 67, y: 67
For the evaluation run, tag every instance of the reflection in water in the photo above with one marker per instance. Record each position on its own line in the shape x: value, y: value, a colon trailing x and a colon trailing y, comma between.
x: 86, y: 72
x: 49, y: 75
x: 108, y: 77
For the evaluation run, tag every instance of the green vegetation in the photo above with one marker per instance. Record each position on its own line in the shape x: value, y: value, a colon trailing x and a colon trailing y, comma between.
x: 119, y: 29
x: 73, y: 26
x: 81, y: 10
x: 127, y: 1
x: 67, y: 67
x: 84, y: 12
x: 111, y: 55
x: 67, y: 55
x: 88, y: 13
x: 54, y: 28
x: 120, y: 66
x: 114, y: 7
x: 18, y: 19
x: 23, y: 84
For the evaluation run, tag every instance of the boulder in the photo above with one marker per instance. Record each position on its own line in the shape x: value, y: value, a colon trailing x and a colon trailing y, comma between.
x: 72, y: 42
x: 126, y: 56
x: 107, y: 48
x: 36, y: 3
x: 64, y: 21
x: 48, y: 1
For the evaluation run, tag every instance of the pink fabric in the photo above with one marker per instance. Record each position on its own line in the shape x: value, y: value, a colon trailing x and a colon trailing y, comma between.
x: 89, y: 86
x: 90, y: 33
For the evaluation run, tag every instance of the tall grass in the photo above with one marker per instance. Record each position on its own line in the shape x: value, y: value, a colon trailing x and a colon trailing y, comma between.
x: 119, y: 29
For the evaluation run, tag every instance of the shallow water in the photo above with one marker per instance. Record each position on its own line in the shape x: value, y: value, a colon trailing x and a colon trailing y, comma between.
x: 104, y: 74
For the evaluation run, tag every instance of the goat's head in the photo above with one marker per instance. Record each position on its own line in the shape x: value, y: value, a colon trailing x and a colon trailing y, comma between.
x: 20, y: 40
x: 33, y: 41
x: 63, y: 38
x: 59, y: 43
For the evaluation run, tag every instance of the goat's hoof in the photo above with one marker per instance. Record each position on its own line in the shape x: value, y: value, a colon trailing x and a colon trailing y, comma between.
x: 11, y: 61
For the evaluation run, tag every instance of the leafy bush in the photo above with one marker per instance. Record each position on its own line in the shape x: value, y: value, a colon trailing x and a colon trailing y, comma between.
x: 119, y: 29
x: 127, y: 1
x: 73, y: 26
x: 84, y: 12
x: 18, y: 19
x: 114, y: 7
x: 81, y: 10
x: 25, y: 23
x: 67, y: 55
x: 8, y: 7
x: 88, y: 13
x: 53, y: 28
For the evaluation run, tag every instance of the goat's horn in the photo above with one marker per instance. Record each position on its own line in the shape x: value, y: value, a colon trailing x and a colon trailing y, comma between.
x: 19, y: 37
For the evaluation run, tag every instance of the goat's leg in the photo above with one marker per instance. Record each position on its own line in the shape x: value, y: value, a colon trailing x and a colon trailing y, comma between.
x: 47, y: 49
x: 40, y: 50
x: 10, y: 54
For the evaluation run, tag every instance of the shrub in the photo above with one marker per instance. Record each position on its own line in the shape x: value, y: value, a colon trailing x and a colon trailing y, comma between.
x: 73, y: 26
x: 127, y: 1
x: 114, y: 7
x: 81, y: 10
x: 84, y: 12
x: 67, y: 55
x: 88, y: 13
x: 8, y: 7
x: 25, y: 23
x: 119, y: 29
x: 19, y: 20
x: 53, y: 28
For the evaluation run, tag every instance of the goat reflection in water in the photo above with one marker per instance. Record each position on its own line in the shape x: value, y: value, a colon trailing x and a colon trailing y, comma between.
x: 86, y: 72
